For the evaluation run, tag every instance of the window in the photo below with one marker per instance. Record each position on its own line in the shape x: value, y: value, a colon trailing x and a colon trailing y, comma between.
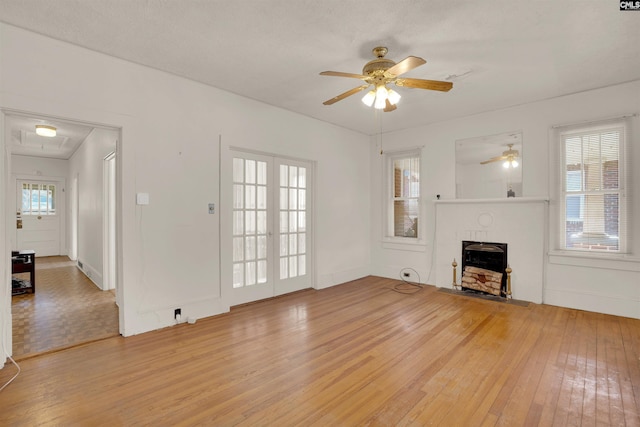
x: 404, y: 195
x: 592, y: 189
x: 38, y: 199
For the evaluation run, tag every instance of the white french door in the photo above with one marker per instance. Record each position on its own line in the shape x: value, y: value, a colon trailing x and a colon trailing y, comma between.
x: 270, y: 222
x: 293, y: 231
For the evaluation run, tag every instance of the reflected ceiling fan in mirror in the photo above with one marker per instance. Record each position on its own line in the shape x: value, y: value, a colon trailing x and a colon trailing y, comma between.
x: 509, y: 156
x: 382, y: 71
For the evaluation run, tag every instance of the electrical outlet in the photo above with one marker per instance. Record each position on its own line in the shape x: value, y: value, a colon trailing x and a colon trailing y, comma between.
x: 405, y: 274
x: 177, y: 312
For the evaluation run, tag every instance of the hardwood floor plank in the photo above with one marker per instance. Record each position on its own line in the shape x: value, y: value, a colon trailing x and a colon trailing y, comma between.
x: 354, y: 354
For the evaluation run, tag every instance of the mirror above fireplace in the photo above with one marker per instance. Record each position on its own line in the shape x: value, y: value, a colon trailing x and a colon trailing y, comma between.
x: 489, y: 167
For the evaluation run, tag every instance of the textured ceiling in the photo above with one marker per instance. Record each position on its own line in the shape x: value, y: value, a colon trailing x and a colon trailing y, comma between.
x: 497, y: 53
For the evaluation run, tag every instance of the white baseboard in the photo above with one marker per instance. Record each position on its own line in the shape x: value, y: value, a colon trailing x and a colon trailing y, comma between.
x: 328, y: 280
x: 92, y: 274
x: 591, y: 301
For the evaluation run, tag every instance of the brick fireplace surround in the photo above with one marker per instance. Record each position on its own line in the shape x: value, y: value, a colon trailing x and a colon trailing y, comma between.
x: 519, y: 222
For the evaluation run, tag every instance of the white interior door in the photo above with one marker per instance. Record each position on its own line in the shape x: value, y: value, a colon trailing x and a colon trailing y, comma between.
x: 38, y: 222
x: 252, y: 251
x: 294, y: 226
x: 270, y: 221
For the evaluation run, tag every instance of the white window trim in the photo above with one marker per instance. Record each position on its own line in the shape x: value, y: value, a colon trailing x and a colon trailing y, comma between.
x: 559, y: 188
x: 388, y: 239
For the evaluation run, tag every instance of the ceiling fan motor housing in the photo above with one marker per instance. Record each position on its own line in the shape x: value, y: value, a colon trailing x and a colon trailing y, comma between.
x: 376, y: 67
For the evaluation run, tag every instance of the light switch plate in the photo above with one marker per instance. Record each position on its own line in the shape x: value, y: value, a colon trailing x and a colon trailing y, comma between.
x: 212, y: 208
x: 142, y: 198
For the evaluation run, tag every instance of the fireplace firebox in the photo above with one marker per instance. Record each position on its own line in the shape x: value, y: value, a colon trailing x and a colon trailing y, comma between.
x: 483, y: 267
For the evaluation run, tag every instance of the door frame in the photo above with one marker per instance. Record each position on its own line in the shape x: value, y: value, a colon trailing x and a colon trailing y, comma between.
x: 109, y: 237
x: 226, y: 203
x: 7, y: 202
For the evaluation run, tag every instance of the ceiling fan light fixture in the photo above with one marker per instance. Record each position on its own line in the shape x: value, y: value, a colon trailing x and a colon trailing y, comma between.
x: 393, y: 97
x: 510, y: 163
x: 381, y: 97
x: 369, y: 98
x: 45, y: 130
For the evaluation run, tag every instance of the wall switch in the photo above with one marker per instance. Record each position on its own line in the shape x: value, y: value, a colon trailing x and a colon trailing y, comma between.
x: 142, y: 198
x: 212, y: 208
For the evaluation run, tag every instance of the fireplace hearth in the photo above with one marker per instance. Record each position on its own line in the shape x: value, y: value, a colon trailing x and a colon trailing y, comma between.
x: 483, y: 267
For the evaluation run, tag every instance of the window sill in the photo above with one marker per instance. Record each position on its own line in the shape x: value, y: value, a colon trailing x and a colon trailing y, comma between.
x: 595, y: 260
x: 407, y: 244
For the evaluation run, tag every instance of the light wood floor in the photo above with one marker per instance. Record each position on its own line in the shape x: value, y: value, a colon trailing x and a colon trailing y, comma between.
x: 354, y: 354
x: 67, y: 309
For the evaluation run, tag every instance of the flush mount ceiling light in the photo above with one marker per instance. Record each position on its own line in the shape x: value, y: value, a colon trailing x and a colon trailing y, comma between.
x: 44, y: 130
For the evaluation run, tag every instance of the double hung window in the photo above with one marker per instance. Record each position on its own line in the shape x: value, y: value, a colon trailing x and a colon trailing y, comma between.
x: 593, y: 184
x: 404, y: 195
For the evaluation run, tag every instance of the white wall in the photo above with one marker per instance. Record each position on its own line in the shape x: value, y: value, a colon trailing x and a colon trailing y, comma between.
x: 597, y: 285
x: 170, y: 149
x: 39, y: 166
x: 87, y: 164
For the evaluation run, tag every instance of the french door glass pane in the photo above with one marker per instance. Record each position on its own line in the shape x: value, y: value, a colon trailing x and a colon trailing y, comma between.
x: 302, y: 177
x: 250, y: 171
x: 250, y: 196
x: 262, y: 222
x: 262, y: 197
x: 250, y: 273
x: 262, y: 173
x: 262, y: 271
x: 302, y: 243
x: 293, y: 176
x: 238, y: 199
x: 238, y: 249
x: 293, y: 266
x: 238, y: 223
x: 284, y: 174
x: 250, y: 247
x: 262, y: 247
x: 238, y: 275
x: 250, y: 222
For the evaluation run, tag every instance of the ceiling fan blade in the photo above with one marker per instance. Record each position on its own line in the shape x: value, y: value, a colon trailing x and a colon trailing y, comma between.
x: 425, y: 84
x: 407, y: 64
x: 346, y: 94
x: 340, y: 74
x: 493, y: 159
x: 389, y: 106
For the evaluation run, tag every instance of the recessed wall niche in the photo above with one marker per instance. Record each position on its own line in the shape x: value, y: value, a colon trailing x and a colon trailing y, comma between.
x: 481, y: 172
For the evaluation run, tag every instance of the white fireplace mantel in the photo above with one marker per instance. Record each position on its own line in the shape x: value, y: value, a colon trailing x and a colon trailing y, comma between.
x: 519, y: 222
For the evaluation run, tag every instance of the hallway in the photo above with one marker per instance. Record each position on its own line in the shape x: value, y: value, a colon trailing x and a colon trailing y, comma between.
x: 66, y: 310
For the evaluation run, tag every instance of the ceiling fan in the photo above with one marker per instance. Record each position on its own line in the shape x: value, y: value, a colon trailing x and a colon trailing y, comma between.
x: 510, y: 157
x: 381, y: 71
